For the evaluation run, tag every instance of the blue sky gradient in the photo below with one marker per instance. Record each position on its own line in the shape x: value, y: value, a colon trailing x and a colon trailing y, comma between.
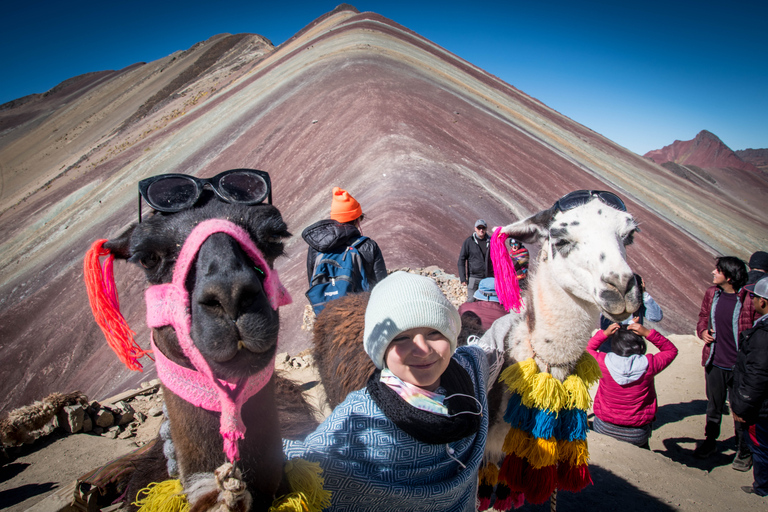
x: 642, y: 74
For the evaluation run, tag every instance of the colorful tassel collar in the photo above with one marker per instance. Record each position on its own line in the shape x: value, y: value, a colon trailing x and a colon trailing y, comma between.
x: 168, y: 304
x: 546, y: 446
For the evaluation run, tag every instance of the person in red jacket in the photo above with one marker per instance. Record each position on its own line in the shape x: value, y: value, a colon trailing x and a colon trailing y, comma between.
x: 625, y: 402
x: 725, y: 312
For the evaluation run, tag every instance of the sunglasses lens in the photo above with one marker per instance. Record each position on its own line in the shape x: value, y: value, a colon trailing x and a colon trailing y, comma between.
x: 243, y: 187
x: 173, y: 193
x: 574, y: 199
x: 613, y: 201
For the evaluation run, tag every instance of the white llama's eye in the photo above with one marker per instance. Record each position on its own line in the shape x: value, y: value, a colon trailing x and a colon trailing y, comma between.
x: 629, y: 238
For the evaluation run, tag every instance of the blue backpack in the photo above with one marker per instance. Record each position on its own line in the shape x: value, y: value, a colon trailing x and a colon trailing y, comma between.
x: 337, y: 274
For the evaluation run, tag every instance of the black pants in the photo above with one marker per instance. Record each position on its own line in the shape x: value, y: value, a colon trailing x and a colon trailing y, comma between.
x: 719, y: 384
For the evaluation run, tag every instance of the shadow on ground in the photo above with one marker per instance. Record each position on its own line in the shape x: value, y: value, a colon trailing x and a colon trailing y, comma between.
x: 671, y: 413
x: 609, y: 492
x: 726, y: 449
x: 16, y: 495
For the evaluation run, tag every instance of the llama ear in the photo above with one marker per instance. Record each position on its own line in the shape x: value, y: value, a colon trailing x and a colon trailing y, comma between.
x: 120, y: 247
x: 533, y: 229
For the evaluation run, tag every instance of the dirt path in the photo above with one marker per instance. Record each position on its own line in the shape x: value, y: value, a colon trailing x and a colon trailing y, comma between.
x: 626, y: 478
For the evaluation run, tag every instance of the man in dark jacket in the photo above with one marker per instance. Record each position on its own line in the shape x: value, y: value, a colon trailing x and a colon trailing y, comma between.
x: 758, y: 266
x: 342, y: 230
x: 475, y: 259
x: 725, y: 312
x: 749, y: 400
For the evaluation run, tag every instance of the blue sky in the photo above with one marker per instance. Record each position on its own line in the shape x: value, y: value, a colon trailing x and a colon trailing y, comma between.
x: 641, y: 73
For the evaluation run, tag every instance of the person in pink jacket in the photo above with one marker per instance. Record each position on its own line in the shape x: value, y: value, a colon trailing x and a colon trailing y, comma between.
x: 625, y: 402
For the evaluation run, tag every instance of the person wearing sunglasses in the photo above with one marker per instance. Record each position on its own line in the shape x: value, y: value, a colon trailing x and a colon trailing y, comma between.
x: 749, y: 399
x: 725, y: 312
x: 342, y: 230
x: 475, y: 259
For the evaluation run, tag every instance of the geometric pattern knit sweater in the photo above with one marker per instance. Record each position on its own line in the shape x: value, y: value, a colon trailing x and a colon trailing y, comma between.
x: 369, y: 464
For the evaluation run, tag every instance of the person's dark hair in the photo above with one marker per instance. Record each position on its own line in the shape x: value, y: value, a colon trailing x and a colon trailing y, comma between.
x: 626, y: 343
x: 734, y: 270
x: 640, y: 281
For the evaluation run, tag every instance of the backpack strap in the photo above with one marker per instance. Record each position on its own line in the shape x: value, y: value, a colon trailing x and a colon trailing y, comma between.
x: 359, y: 242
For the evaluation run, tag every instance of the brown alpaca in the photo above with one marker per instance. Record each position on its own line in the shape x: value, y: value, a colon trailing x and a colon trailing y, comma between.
x: 18, y: 426
x: 234, y: 326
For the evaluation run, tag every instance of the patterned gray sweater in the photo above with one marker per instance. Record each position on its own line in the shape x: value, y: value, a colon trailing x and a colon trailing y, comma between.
x: 369, y: 464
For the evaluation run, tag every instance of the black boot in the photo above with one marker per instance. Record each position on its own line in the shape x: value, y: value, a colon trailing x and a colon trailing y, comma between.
x: 743, y: 459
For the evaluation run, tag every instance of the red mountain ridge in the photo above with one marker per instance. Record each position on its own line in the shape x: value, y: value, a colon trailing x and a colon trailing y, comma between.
x: 706, y: 150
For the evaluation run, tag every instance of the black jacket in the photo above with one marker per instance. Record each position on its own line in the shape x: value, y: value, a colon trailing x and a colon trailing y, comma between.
x: 327, y: 235
x: 472, y: 256
x: 749, y: 399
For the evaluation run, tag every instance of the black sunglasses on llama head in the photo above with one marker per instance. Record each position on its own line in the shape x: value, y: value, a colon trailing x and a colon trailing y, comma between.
x: 580, y: 197
x: 175, y: 192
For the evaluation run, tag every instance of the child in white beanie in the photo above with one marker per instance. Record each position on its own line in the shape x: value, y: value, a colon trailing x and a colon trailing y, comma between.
x: 413, y: 439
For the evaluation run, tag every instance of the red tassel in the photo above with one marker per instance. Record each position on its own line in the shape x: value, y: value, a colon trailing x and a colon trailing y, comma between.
x: 573, y: 478
x: 485, y: 504
x: 539, y: 483
x: 102, y: 294
x: 511, y: 472
x: 506, y: 499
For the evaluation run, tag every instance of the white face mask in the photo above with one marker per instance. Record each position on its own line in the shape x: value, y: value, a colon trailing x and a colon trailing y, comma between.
x: 423, y: 399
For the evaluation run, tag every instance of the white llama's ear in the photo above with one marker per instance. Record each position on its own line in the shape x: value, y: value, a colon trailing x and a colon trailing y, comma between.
x: 533, y: 229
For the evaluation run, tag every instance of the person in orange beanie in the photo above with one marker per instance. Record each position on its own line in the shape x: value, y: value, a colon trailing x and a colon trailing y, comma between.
x: 341, y: 231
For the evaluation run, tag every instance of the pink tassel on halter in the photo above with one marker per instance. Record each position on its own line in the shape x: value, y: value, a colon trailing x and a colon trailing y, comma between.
x: 507, y: 287
x: 102, y: 294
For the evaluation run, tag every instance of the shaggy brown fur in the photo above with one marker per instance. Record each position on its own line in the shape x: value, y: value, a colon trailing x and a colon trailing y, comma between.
x: 17, y: 428
x: 341, y: 360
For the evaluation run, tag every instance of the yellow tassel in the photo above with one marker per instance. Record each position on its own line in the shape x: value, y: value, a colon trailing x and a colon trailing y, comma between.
x: 517, y: 442
x: 542, y: 452
x: 575, y: 453
x: 548, y: 393
x: 578, y: 396
x: 489, y: 474
x: 588, y: 370
x: 518, y: 377
x: 167, y: 496
x: 305, y: 478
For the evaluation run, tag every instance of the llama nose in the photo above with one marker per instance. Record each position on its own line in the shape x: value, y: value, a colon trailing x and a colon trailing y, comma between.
x: 622, y: 282
x: 230, y: 298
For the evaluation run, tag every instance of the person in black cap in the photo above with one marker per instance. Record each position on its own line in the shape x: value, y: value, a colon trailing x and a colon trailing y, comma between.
x: 475, y: 259
x: 758, y: 266
x: 749, y: 398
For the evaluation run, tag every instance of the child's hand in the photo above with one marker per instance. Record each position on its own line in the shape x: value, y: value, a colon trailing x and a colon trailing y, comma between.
x: 608, y: 331
x: 639, y: 329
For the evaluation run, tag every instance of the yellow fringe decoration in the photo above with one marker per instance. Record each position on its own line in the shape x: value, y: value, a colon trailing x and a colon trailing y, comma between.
x: 542, y: 452
x: 167, y: 496
x: 577, y: 393
x: 517, y: 442
x: 574, y: 453
x: 518, y: 377
x: 588, y: 370
x: 489, y: 474
x: 306, y: 476
x: 548, y: 393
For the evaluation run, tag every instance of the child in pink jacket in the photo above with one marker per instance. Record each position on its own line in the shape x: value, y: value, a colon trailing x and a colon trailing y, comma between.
x: 625, y: 402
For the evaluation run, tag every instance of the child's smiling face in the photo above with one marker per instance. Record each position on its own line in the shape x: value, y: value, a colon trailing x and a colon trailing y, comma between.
x: 419, y: 356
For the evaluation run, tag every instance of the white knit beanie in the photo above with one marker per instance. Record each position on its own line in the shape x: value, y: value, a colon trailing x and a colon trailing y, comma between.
x: 404, y: 301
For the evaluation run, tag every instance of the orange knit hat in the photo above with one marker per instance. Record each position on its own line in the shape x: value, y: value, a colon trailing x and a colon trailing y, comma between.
x: 344, y: 208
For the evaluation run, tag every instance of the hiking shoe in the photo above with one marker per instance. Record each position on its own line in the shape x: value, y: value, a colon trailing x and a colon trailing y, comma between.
x: 742, y: 463
x: 705, y: 449
x: 748, y: 489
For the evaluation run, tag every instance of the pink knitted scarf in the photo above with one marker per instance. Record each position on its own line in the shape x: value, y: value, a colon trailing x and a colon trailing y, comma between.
x: 168, y: 304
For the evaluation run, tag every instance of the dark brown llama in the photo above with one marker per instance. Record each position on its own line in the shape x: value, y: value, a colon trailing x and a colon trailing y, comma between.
x: 234, y: 327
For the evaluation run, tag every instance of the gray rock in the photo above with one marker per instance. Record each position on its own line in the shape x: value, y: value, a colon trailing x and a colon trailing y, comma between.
x: 123, y: 413
x: 155, y: 411
x: 71, y: 418
x: 104, y: 418
x: 87, y: 422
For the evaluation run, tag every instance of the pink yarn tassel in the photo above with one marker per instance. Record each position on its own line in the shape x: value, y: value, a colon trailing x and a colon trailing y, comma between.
x: 507, y: 288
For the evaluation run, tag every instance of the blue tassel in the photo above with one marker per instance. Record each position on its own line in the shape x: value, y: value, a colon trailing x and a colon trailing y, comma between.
x: 518, y: 415
x: 545, y: 424
x: 572, y: 425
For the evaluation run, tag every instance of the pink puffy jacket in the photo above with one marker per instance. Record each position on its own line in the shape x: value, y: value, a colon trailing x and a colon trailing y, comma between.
x: 633, y: 404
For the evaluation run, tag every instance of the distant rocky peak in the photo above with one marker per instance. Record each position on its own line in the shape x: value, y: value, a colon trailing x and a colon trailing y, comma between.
x: 706, y: 150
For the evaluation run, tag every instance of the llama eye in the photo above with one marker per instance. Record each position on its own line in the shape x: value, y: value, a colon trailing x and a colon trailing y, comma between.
x: 629, y: 239
x: 149, y: 261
